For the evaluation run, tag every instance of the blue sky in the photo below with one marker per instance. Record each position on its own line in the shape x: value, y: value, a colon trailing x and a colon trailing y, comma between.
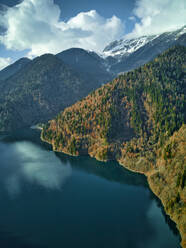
x: 106, y: 8
x: 34, y: 27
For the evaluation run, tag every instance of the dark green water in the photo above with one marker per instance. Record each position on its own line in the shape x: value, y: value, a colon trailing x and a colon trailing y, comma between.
x: 50, y: 200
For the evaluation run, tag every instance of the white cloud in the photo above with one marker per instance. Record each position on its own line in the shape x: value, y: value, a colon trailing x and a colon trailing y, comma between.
x: 35, y: 25
x: 31, y: 164
x: 132, y: 18
x: 4, y: 62
x: 157, y: 16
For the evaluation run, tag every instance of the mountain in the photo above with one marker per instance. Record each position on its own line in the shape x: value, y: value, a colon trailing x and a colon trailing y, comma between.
x: 39, y: 91
x: 125, y: 47
x: 88, y: 64
x: 121, y: 56
x: 35, y: 91
x: 90, y: 69
x: 134, y: 120
x: 13, y: 68
x: 129, y: 54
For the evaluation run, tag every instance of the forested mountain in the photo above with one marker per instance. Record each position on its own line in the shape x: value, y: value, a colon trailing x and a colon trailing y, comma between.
x: 132, y: 120
x: 39, y: 91
x: 35, y: 91
x: 91, y: 69
x: 88, y: 64
x: 13, y: 68
x: 119, y: 56
x: 148, y: 102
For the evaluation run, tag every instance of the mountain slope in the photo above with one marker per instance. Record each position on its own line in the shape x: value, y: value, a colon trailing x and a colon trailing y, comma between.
x: 119, y: 56
x: 13, y: 68
x: 132, y: 53
x: 38, y: 92
x: 131, y: 120
x: 87, y: 64
x: 125, y: 47
x: 168, y: 182
x: 148, y: 101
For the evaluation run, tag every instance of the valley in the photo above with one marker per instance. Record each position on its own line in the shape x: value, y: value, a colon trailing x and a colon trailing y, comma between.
x: 126, y: 105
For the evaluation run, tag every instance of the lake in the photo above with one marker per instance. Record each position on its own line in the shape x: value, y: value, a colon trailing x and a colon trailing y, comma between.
x: 51, y: 200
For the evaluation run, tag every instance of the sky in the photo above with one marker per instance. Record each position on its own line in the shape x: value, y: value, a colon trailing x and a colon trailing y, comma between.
x: 30, y: 28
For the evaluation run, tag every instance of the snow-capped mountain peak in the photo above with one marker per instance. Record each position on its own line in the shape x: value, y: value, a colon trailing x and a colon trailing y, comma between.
x: 125, y: 47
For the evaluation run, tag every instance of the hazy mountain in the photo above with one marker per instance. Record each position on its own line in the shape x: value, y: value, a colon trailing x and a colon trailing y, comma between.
x: 39, y: 91
x: 121, y: 56
x: 88, y: 64
x: 13, y: 68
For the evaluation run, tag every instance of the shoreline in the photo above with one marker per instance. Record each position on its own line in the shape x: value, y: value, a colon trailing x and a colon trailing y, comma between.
x: 147, y: 174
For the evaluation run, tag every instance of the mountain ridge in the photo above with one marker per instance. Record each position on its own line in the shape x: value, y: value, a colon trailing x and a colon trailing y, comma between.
x: 13, y: 68
x: 115, y: 56
x: 38, y: 92
x: 43, y: 81
x: 86, y: 63
x: 132, y: 53
x: 129, y: 45
x: 92, y: 69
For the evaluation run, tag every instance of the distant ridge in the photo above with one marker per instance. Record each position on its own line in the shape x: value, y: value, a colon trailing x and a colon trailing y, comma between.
x: 13, y: 68
x: 131, y: 53
x: 39, y: 91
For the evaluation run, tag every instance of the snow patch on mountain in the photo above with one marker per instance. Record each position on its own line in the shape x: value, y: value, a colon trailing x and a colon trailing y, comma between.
x: 125, y: 47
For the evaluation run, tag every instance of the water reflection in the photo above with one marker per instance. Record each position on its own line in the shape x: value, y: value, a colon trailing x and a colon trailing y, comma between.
x: 16, y: 241
x: 162, y: 236
x: 111, y: 170
x: 24, y: 161
x: 170, y: 223
x: 99, y: 206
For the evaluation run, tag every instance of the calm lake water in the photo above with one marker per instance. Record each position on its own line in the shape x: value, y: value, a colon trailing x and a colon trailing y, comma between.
x: 50, y: 200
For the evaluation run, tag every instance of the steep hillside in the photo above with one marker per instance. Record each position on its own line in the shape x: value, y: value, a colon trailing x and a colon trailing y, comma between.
x: 148, y: 102
x: 39, y: 91
x: 13, y: 68
x: 131, y: 120
x: 168, y: 181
